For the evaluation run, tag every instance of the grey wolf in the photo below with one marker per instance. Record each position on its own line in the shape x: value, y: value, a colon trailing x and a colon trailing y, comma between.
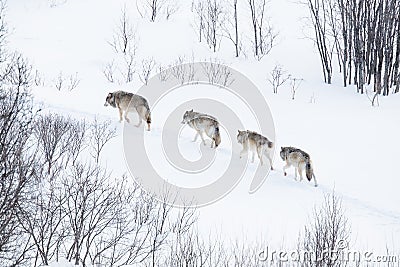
x: 128, y: 102
x: 255, y: 142
x: 203, y: 123
x: 300, y: 160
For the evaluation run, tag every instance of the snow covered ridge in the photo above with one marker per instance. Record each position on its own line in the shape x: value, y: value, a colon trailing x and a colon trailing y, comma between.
x: 75, y: 48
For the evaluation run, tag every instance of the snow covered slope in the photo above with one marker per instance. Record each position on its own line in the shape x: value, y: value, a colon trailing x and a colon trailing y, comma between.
x: 354, y: 147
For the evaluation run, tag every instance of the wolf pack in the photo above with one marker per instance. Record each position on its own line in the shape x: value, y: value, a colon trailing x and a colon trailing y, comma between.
x: 204, y: 124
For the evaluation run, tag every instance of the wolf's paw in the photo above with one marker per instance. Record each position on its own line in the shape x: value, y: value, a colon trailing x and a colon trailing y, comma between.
x: 285, y: 173
x: 272, y: 168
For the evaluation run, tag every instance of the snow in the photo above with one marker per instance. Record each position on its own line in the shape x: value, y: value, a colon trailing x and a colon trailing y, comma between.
x: 354, y: 147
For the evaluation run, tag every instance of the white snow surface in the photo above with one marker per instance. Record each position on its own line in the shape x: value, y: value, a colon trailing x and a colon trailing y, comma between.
x: 354, y: 147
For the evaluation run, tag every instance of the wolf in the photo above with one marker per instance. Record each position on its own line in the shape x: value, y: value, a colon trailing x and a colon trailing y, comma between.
x: 255, y: 142
x: 128, y: 102
x: 203, y: 123
x: 300, y: 160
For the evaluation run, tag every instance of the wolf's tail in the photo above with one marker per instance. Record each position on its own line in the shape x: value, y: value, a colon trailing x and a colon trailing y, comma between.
x: 217, y: 136
x: 309, y: 169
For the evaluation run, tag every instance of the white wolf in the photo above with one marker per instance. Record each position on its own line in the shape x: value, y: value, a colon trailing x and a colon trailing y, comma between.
x: 255, y: 142
x: 203, y: 123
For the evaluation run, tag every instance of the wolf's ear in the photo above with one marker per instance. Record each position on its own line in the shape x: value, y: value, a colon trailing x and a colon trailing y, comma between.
x: 110, y: 94
x: 191, y: 110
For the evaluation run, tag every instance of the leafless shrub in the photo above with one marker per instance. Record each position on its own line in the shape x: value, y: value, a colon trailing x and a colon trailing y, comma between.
x: 59, y: 81
x: 125, y: 38
x: 3, y: 31
x: 218, y: 73
x: 129, y: 69
x: 100, y: 134
x: 294, y: 85
x: 153, y: 9
x: 38, y: 79
x: 209, y: 15
x: 328, y: 231
x: 267, y: 41
x: 109, y: 72
x: 278, y: 77
x: 17, y: 71
x: 183, y: 70
x: 42, y: 218
x: 73, y: 81
x: 56, y: 3
x: 163, y: 73
x: 146, y: 70
x: 16, y: 164
x: 53, y: 134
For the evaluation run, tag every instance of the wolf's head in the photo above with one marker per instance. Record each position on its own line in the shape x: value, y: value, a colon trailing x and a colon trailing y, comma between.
x: 241, y: 137
x: 110, y: 100
x: 187, y: 116
x: 283, y: 153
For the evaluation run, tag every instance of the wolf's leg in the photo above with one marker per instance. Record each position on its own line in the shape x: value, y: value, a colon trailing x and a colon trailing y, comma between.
x: 126, y: 116
x: 244, y: 150
x: 196, y: 136
x: 270, y: 159
x: 141, y: 111
x: 202, y: 138
x: 252, y: 157
x: 300, y: 170
x: 315, y: 180
x: 260, y: 154
x: 120, y: 114
x: 296, y: 169
x: 285, y: 167
x: 139, y: 122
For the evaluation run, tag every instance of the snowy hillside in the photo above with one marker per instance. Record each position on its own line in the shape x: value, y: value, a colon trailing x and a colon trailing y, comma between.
x: 354, y: 147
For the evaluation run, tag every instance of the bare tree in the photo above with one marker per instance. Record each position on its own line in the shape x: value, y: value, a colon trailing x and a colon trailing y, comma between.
x: 109, y: 71
x: 319, y: 19
x: 230, y: 26
x: 263, y: 34
x: 73, y: 81
x: 42, y: 218
x: 278, y: 78
x: 59, y: 81
x: 129, y: 68
x: 153, y: 9
x: 147, y: 68
x: 125, y: 38
x: 163, y: 73
x: 294, y: 85
x: 16, y: 164
x: 53, y: 134
x: 218, y: 73
x: 38, y: 79
x: 100, y: 134
x: 329, y: 231
x: 199, y: 9
x: 183, y: 70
